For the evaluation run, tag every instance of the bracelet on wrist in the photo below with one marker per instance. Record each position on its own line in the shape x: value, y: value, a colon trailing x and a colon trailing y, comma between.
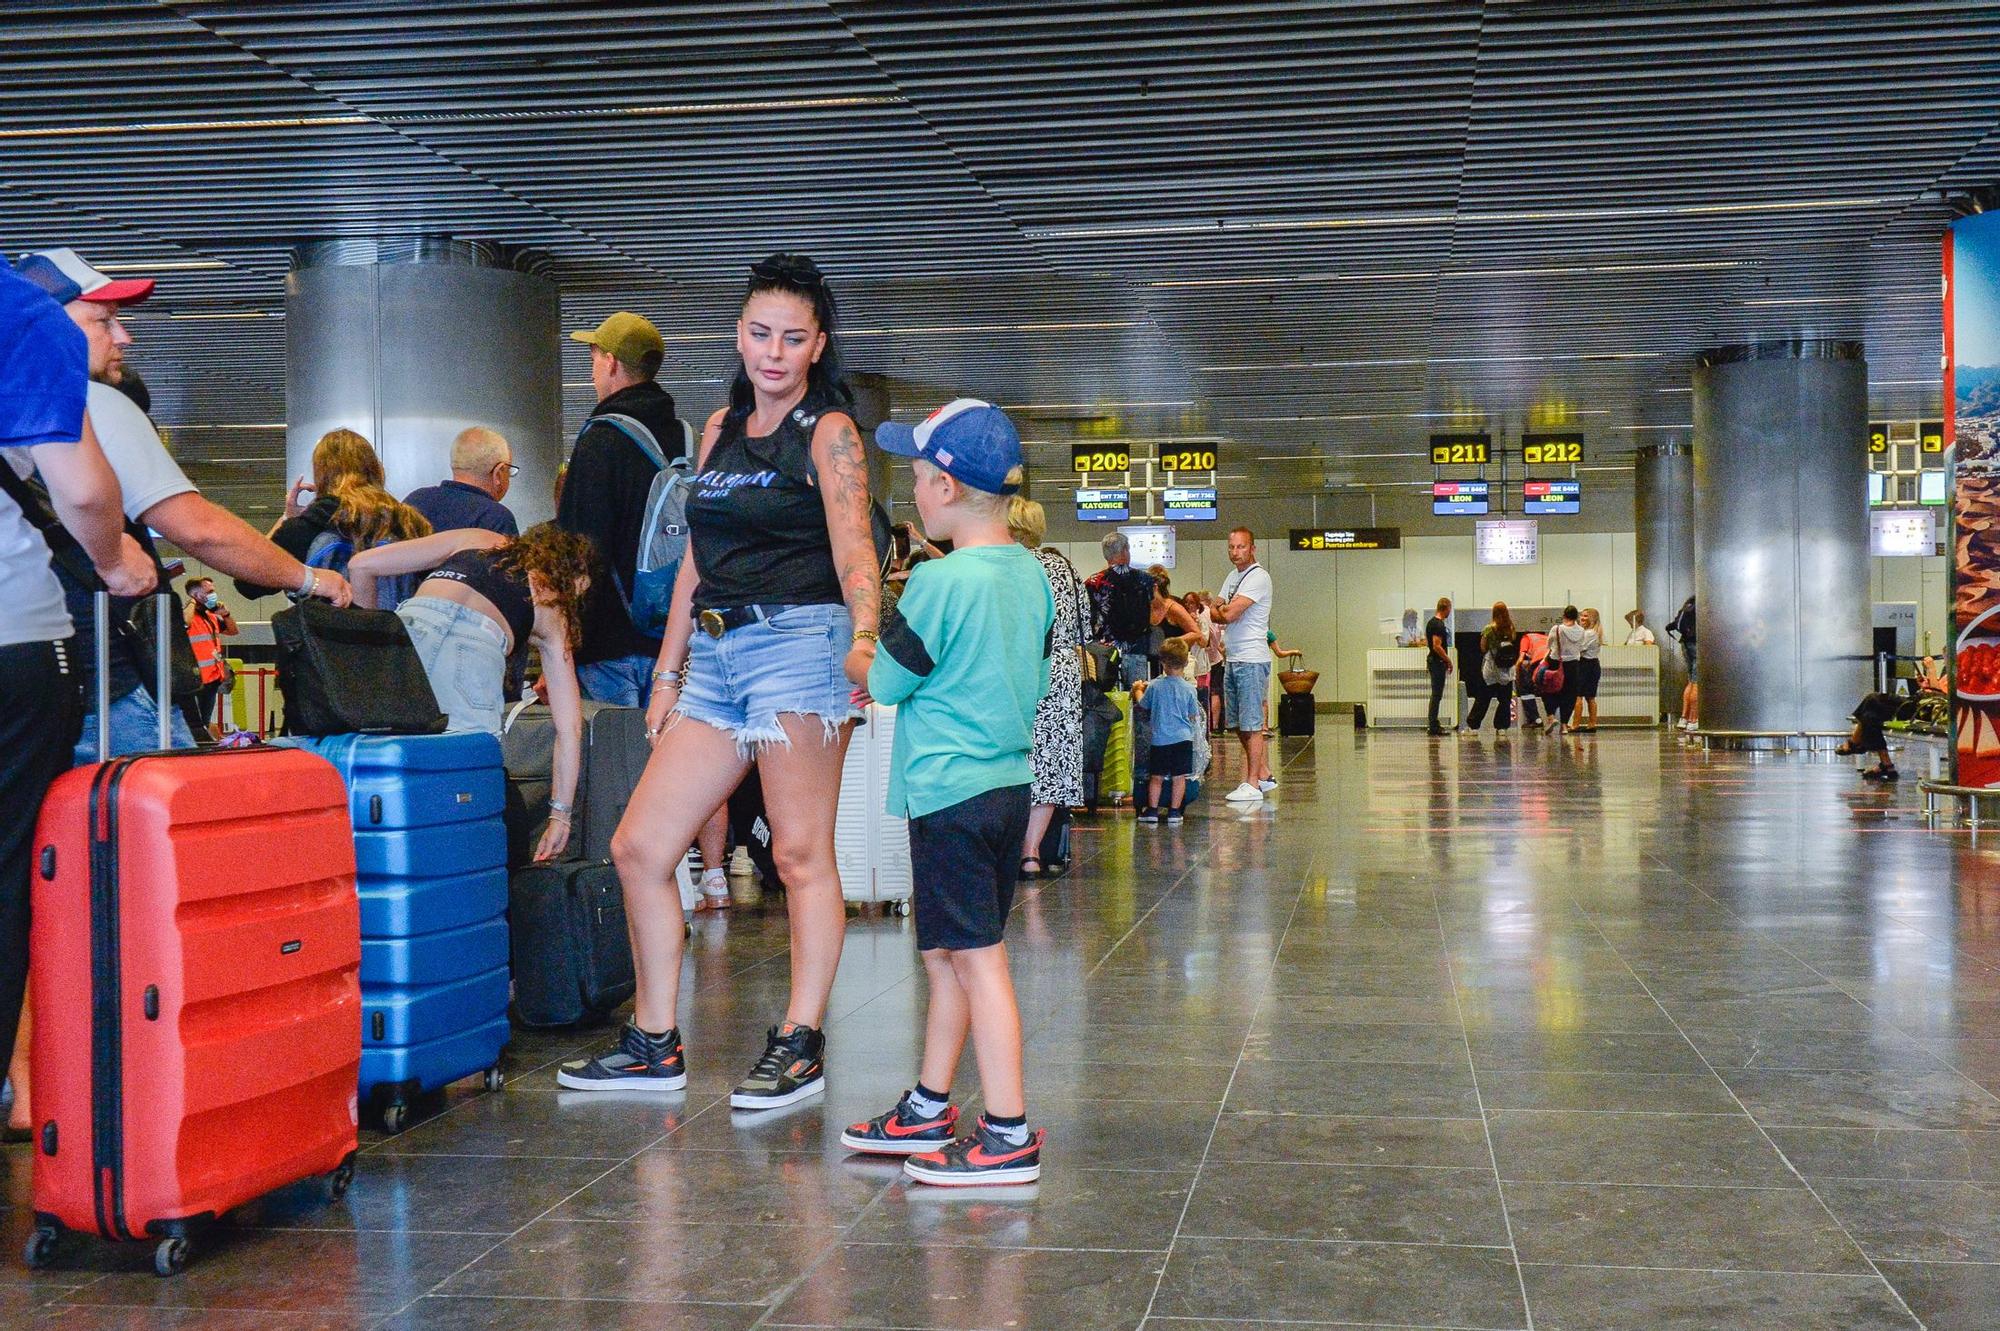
x: 867, y: 635
x: 311, y: 582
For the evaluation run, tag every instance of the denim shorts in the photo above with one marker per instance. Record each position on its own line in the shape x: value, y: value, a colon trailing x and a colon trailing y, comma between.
x: 1244, y: 687
x: 789, y: 661
x: 464, y: 654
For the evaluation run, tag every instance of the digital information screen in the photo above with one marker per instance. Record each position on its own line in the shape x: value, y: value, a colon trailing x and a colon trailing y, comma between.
x: 1878, y: 487
x: 1103, y: 505
x: 1902, y: 531
x: 1347, y: 538
x: 1539, y: 497
x: 1551, y: 450
x: 1193, y: 504
x: 1930, y: 487
x: 1506, y: 541
x: 1461, y: 450
x: 1150, y: 546
x: 1459, y: 498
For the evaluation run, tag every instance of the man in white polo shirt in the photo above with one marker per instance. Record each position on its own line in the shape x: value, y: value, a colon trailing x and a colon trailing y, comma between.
x: 1244, y: 609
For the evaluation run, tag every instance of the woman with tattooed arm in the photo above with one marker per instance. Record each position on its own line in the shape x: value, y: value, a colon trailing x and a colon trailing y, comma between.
x: 780, y: 583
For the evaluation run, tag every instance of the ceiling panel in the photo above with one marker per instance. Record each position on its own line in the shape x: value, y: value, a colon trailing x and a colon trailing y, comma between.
x: 1316, y: 230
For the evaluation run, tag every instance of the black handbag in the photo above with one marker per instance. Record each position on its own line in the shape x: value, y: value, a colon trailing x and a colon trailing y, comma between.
x: 351, y: 672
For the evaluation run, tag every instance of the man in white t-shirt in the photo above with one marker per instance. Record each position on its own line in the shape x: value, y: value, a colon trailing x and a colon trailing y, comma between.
x: 157, y: 495
x: 1641, y: 636
x: 1243, y: 608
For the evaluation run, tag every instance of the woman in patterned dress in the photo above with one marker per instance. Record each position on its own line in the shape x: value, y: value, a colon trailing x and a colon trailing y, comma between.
x: 1057, y: 757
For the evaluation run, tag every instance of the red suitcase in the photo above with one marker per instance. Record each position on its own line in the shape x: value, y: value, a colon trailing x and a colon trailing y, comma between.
x: 195, y: 976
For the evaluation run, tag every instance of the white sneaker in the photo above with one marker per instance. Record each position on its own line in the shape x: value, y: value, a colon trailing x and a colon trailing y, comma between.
x: 1244, y: 794
x: 740, y: 864
x: 1267, y: 784
x: 715, y: 888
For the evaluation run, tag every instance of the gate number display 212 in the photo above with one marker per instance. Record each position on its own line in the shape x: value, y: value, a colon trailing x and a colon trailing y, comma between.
x: 1551, y: 450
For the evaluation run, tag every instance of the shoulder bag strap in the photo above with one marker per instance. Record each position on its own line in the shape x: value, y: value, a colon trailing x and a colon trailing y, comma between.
x: 635, y: 430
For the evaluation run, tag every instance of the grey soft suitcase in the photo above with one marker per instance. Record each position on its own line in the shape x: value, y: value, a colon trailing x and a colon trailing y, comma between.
x: 615, y: 751
x: 614, y: 755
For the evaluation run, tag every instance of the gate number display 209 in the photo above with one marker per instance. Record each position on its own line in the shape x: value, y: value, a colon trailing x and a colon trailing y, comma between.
x: 1086, y: 458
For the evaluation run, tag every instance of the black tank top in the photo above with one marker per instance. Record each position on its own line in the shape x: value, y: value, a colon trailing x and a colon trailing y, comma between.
x: 508, y: 592
x: 758, y: 523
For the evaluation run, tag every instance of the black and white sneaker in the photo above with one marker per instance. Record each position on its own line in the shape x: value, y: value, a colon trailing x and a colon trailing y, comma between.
x: 904, y: 1130
x: 984, y: 1158
x: 792, y: 1068
x: 639, y: 1063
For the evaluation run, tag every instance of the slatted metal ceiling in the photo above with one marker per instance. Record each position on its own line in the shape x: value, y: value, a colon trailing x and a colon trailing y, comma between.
x: 1317, y: 230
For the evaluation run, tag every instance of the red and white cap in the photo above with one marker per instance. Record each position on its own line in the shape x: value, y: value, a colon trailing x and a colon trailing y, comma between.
x: 66, y: 277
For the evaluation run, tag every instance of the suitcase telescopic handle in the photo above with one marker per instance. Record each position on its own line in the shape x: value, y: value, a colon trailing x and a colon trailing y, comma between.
x: 163, y: 607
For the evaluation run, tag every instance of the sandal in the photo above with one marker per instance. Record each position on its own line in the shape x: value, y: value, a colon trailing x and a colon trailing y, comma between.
x: 1027, y: 872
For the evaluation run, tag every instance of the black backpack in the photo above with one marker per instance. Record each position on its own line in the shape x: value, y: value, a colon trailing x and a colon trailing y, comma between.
x: 1506, y: 653
x: 1683, y: 624
x: 1128, y: 613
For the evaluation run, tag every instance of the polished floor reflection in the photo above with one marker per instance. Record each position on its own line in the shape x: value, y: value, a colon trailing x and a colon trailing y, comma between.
x: 1600, y: 1034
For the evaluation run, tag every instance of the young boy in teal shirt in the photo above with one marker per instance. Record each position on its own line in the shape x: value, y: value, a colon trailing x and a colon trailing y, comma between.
x: 965, y: 657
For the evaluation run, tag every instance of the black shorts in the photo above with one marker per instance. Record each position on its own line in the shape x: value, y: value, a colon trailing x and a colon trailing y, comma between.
x: 1172, y: 759
x: 964, y: 859
x: 1589, y: 673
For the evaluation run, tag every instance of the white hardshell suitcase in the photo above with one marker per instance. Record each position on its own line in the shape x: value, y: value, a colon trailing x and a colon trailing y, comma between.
x: 871, y: 846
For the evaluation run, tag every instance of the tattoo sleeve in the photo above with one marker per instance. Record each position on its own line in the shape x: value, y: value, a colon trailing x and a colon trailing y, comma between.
x: 844, y: 471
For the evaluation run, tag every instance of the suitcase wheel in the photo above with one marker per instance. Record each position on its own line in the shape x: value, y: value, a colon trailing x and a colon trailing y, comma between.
x: 395, y: 1116
x: 900, y: 907
x: 41, y: 1248
x: 495, y: 1079
x: 338, y: 1182
x: 170, y: 1257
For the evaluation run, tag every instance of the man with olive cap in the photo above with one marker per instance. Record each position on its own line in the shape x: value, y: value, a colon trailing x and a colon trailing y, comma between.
x: 631, y: 431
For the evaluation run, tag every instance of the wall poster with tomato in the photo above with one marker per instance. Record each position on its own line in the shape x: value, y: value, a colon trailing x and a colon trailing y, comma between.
x: 1972, y: 423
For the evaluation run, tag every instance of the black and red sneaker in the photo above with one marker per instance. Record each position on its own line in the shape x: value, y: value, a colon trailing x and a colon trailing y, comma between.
x: 639, y: 1063
x: 985, y: 1157
x: 904, y: 1130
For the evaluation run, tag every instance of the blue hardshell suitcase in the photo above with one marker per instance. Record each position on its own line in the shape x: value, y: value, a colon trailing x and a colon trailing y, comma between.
x: 430, y: 851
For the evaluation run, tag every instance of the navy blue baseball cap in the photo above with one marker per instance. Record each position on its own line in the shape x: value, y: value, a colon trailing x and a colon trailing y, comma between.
x: 966, y: 438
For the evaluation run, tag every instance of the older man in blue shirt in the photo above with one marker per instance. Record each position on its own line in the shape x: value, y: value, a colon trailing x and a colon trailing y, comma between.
x: 482, y: 467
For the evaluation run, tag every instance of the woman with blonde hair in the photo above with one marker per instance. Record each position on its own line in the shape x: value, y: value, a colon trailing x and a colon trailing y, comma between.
x: 350, y: 512
x: 1589, y: 671
x: 1057, y: 755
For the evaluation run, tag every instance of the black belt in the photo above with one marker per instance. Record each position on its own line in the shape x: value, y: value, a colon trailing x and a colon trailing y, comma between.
x: 715, y: 623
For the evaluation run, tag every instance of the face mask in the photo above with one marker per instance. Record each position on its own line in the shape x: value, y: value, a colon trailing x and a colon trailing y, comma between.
x: 210, y: 601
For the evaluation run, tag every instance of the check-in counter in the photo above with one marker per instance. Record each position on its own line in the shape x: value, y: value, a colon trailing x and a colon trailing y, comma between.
x: 1629, y: 693
x: 1399, y: 690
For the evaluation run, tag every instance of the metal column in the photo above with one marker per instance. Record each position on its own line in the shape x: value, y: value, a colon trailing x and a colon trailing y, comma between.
x: 1663, y: 504
x: 409, y: 344
x: 1781, y: 536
